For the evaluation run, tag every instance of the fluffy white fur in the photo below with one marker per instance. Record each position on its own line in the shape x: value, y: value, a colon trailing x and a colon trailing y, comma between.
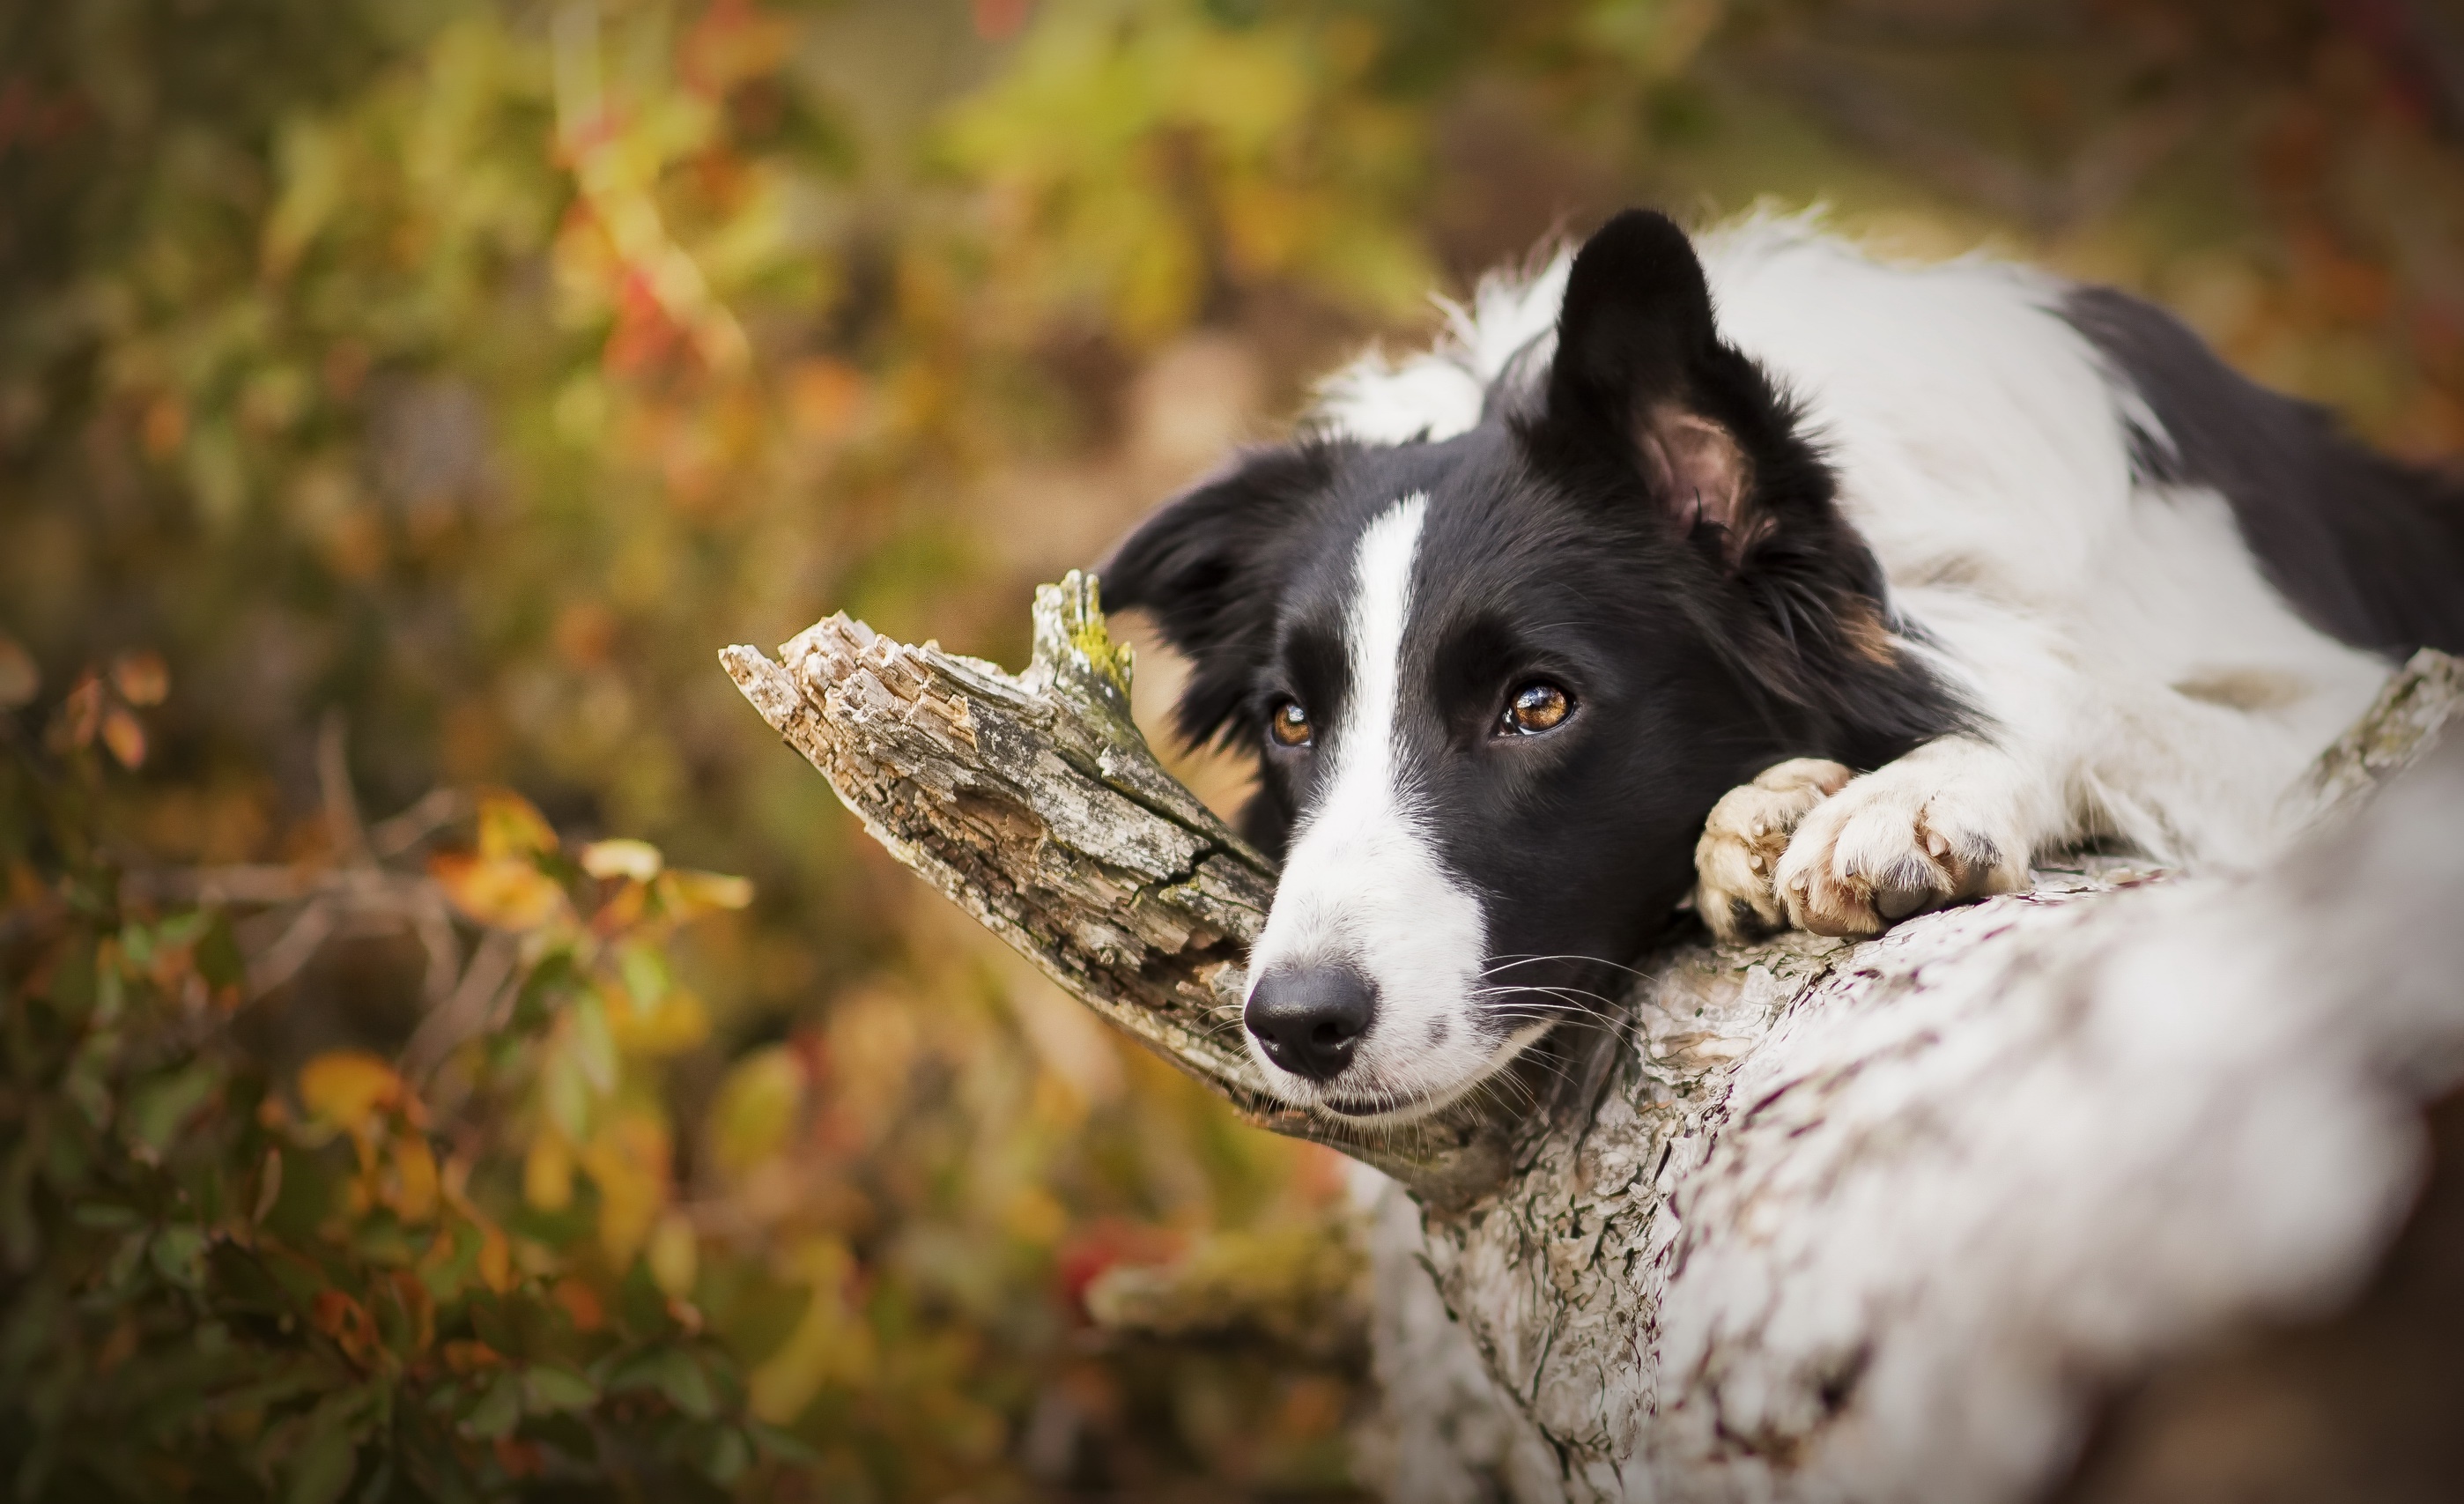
x: 2139, y: 676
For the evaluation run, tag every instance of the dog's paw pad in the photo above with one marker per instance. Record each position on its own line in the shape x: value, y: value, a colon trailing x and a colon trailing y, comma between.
x: 1738, y: 857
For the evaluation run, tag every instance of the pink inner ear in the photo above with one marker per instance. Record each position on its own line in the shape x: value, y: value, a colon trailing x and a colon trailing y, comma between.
x: 1698, y: 467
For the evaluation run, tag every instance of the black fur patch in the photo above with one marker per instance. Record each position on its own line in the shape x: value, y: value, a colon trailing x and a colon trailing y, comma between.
x: 1697, y: 649
x: 2367, y: 550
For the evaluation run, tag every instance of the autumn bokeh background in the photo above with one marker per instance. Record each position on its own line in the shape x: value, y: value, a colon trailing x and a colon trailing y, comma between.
x: 401, y: 402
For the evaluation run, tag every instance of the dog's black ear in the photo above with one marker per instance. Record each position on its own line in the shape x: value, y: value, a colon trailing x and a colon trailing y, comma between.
x: 1209, y: 567
x: 1640, y: 380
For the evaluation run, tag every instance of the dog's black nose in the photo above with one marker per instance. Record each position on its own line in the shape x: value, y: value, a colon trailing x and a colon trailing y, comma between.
x: 1310, y: 1017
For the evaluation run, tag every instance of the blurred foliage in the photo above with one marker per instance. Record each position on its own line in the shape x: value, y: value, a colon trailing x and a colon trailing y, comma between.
x: 400, y: 400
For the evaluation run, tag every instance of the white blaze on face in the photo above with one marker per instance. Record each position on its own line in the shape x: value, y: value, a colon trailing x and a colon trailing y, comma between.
x: 1363, y: 885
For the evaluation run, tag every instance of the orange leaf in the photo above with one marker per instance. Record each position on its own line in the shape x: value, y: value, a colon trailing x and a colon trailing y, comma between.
x: 495, y: 1259
x: 347, y: 1323
x: 506, y: 893
x: 125, y: 735
x: 84, y: 709
x: 581, y: 1303
x: 465, y: 1356
x: 142, y: 678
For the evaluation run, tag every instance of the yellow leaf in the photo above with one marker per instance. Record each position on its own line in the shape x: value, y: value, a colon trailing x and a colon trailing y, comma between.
x: 690, y: 894
x: 1034, y: 1216
x: 830, y: 1341
x: 496, y: 1258
x: 506, y: 893
x: 510, y: 826
x: 675, y: 1255
x: 678, y: 1022
x: 547, y: 1173
x: 755, y: 1109
x: 638, y: 860
x: 413, y: 1194
x: 628, y: 1161
x: 346, y: 1088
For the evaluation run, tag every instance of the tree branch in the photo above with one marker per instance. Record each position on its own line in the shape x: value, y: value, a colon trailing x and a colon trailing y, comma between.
x: 1036, y: 804
x: 1807, y: 1219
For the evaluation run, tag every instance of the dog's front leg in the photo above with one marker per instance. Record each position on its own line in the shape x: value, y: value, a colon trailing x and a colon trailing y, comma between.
x: 1952, y: 821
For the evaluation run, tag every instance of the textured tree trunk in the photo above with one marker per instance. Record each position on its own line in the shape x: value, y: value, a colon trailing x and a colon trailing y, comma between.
x: 1811, y: 1219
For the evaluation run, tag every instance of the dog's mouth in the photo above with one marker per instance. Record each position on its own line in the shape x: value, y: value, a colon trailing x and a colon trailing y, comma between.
x: 1402, y: 1108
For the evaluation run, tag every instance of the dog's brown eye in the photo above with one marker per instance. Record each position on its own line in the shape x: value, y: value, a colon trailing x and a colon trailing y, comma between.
x: 1537, y: 707
x: 1290, y: 725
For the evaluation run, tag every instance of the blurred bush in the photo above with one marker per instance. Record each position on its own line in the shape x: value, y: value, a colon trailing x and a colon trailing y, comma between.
x: 399, y: 402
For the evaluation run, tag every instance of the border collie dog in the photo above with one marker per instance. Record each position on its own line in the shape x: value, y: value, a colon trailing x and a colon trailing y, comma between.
x: 1826, y: 590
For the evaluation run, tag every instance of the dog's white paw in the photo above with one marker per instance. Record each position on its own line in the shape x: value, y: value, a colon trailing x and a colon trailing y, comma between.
x: 1737, y: 860
x: 1911, y: 836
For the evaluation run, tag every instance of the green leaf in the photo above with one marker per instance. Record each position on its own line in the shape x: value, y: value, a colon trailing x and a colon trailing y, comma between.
x: 157, y: 1109
x: 180, y: 929
x: 448, y: 1277
x: 593, y: 1044
x: 218, y: 957
x: 673, y: 1372
x: 784, y: 1444
x: 567, y: 1095
x: 548, y: 1390
x: 553, y: 976
x: 728, y: 1456
x: 322, y: 1469
x: 179, y: 1254
x: 88, y: 1083
x: 137, y: 944
x: 498, y: 1410
x: 646, y: 974
x: 122, y: 1265
x: 110, y: 994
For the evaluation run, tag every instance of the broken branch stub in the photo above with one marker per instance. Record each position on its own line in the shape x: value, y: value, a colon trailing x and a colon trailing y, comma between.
x: 1034, y: 802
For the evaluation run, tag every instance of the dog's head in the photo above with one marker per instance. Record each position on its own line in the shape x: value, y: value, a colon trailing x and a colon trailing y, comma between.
x: 1496, y: 681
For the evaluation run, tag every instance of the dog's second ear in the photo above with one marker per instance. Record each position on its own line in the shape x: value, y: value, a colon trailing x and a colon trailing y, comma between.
x: 1206, y: 566
x: 1640, y: 378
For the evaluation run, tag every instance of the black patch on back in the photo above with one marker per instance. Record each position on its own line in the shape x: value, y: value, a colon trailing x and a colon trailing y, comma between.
x: 2365, y: 548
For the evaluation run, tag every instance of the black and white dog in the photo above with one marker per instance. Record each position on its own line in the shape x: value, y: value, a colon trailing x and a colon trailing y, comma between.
x: 1945, y: 566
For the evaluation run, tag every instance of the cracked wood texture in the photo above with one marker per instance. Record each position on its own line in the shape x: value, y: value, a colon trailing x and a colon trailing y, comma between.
x: 1035, y: 803
x: 1814, y: 1220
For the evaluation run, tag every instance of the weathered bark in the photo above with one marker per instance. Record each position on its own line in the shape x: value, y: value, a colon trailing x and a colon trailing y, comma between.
x: 1035, y: 803
x: 1811, y: 1219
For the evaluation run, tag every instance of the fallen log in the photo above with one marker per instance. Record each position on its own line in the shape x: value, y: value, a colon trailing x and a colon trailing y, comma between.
x: 1807, y: 1219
